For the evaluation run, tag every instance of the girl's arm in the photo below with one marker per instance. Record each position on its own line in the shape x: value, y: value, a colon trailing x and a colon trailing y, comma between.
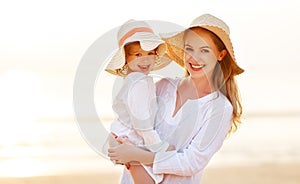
x: 142, y: 106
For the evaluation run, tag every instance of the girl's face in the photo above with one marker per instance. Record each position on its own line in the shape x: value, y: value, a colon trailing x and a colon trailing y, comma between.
x: 201, y: 53
x: 139, y: 60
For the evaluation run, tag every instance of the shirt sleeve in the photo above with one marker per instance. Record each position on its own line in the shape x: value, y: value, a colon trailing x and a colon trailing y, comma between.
x: 205, y: 143
x: 142, y: 106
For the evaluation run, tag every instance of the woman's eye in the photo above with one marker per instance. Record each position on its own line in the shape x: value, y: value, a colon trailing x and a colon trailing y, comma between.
x: 138, y: 54
x: 205, y: 50
x: 188, y: 49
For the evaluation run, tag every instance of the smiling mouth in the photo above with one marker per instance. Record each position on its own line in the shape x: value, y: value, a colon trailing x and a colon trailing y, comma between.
x: 197, y: 67
x: 144, y: 67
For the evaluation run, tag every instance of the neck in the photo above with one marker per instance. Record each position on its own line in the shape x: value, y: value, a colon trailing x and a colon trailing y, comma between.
x: 202, y: 85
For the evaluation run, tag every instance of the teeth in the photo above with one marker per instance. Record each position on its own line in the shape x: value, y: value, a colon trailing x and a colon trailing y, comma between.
x: 197, y: 66
x: 144, y: 67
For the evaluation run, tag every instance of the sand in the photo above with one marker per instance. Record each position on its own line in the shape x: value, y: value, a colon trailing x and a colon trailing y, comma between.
x: 263, y: 151
x: 259, y: 174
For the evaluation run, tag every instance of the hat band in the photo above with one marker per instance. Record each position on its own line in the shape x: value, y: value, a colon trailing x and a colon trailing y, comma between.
x: 133, y: 31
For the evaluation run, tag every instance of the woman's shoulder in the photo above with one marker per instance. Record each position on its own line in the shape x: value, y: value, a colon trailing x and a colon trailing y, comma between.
x: 222, y: 102
x: 134, y: 78
x: 164, y: 82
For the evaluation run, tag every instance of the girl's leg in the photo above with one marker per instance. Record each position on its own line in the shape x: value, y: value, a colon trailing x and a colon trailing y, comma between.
x: 140, y: 175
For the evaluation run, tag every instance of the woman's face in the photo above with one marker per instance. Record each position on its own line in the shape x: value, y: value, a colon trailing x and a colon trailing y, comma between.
x: 139, y: 60
x: 201, y: 54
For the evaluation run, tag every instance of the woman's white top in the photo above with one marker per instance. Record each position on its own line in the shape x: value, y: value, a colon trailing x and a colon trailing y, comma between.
x: 197, y: 131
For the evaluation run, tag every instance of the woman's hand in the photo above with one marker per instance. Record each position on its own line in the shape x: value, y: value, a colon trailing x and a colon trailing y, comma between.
x: 125, y: 153
x: 122, y: 153
x: 123, y: 140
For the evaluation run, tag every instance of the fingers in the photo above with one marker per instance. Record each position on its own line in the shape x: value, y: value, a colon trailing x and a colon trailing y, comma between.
x: 122, y: 139
x: 119, y: 162
x: 114, y: 135
x: 111, y: 150
x: 112, y: 156
x: 116, y: 161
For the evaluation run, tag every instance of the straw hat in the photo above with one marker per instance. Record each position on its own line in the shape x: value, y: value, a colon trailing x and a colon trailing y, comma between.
x: 175, y: 44
x: 133, y: 31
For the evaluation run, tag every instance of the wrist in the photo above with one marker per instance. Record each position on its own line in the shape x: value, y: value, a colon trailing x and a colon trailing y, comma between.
x: 145, y: 157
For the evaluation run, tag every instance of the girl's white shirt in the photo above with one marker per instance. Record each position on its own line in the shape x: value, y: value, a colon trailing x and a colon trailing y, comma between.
x: 197, y: 131
x: 136, y: 107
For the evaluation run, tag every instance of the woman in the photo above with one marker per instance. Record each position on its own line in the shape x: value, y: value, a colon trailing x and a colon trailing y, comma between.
x: 197, y: 112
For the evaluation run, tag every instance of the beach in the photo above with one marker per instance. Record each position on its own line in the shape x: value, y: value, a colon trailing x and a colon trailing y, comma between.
x: 260, y: 174
x: 264, y: 150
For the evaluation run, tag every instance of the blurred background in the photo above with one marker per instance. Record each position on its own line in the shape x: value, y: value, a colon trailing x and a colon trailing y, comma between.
x: 43, y: 42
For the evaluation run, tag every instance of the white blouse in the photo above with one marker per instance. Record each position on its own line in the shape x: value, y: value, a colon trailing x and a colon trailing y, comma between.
x: 197, y: 131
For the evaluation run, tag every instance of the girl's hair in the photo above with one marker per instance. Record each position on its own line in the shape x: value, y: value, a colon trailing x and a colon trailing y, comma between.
x: 224, y: 81
x: 127, y: 47
x: 124, y: 69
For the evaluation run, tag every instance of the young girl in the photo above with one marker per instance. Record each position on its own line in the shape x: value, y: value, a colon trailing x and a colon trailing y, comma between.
x: 140, y: 51
x: 204, y: 106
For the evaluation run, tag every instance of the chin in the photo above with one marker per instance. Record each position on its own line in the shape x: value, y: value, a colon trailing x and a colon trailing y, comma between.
x: 197, y: 74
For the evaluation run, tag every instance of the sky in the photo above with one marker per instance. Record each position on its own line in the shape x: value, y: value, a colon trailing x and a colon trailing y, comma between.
x: 43, y: 42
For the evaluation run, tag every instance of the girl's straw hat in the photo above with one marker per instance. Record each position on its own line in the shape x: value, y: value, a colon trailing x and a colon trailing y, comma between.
x: 133, y: 31
x: 175, y: 44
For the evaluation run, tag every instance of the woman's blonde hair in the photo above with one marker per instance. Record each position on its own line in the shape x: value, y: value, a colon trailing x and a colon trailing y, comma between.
x: 224, y: 81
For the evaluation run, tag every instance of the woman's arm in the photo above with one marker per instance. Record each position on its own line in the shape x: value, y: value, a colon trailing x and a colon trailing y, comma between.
x: 202, y: 147
x: 192, y: 159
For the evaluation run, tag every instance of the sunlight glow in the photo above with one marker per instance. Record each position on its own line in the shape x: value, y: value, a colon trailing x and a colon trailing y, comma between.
x: 18, y: 103
x: 42, y: 43
x: 21, y: 167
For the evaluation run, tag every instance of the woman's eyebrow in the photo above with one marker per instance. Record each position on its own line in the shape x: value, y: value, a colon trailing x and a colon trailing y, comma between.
x: 206, y: 46
x: 187, y: 45
x: 202, y: 47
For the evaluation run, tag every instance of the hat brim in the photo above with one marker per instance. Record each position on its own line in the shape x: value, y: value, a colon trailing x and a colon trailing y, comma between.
x: 116, y: 60
x: 148, y: 41
x: 224, y: 37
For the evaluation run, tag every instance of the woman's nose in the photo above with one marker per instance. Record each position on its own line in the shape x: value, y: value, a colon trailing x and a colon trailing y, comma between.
x: 193, y: 58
